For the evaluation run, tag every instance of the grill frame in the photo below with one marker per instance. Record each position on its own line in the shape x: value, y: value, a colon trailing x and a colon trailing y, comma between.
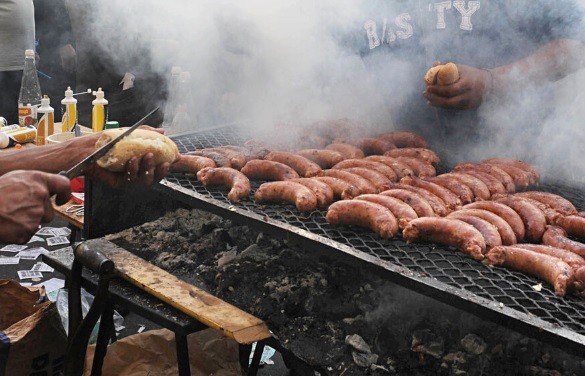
x: 443, y: 273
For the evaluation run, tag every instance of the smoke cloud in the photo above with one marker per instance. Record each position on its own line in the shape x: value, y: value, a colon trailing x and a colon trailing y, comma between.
x: 260, y: 62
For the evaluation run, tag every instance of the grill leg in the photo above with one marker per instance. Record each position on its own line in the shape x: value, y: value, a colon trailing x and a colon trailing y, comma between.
x: 182, y: 354
x: 253, y: 369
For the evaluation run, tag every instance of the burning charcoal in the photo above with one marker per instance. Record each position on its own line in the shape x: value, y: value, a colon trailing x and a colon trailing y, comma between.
x: 364, y: 360
x: 358, y: 343
x: 473, y: 344
x: 426, y: 342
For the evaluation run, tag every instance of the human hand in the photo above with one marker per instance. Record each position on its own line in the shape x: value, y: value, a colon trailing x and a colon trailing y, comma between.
x: 469, y: 92
x: 25, y: 202
x: 68, y: 58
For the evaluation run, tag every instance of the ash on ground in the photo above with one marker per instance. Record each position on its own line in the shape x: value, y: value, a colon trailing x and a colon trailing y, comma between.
x: 339, y: 319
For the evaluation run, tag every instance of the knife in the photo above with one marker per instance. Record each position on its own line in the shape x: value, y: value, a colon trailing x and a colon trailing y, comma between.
x: 78, y: 168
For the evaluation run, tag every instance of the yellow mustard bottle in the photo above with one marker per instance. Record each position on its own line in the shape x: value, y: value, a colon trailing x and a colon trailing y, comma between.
x: 98, y: 112
x: 69, y: 111
x: 46, y: 122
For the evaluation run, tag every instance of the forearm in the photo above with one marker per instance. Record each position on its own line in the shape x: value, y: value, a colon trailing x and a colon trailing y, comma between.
x: 550, y: 63
x: 48, y: 158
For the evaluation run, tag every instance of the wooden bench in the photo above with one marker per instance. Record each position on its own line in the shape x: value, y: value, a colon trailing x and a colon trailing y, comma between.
x: 118, y: 277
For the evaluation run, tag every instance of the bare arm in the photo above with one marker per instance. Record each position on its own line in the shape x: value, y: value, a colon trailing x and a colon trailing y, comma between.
x: 551, y: 62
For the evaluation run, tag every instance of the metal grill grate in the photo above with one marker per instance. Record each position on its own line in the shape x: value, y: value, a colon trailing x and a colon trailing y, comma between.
x: 447, y: 265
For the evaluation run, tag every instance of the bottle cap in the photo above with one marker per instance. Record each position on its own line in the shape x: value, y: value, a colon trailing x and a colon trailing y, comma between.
x: 99, y: 97
x: 112, y: 124
x: 45, y: 101
x: 29, y: 53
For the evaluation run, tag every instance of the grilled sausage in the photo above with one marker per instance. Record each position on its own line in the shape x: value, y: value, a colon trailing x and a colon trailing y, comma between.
x: 494, y: 185
x: 238, y: 183
x: 449, y: 198
x: 363, y: 214
x: 303, y: 166
x: 401, y: 210
x: 191, y: 164
x: 504, y: 211
x: 236, y: 158
x: 404, y: 139
x: 380, y: 181
x: 373, y: 146
x: 362, y: 184
x: 490, y: 233
x: 401, y: 169
x: 574, y: 225
x: 446, y: 231
x: 533, y: 218
x: 504, y: 228
x: 548, y: 268
x: 439, y: 207
x: 557, y: 237
x: 576, y: 262
x: 260, y: 169
x: 554, y: 201
x: 461, y: 190
x: 250, y: 151
x: 348, y: 151
x: 531, y: 170
x: 322, y: 191
x: 420, y: 167
x: 522, y: 179
x: 493, y: 170
x: 478, y: 187
x: 221, y: 160
x: 425, y: 154
x: 287, y: 191
x: 372, y: 165
x: 323, y: 157
x: 342, y: 190
x: 415, y: 200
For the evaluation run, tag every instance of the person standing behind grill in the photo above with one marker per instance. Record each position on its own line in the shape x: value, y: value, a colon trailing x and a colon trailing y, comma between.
x: 508, y: 55
x: 28, y: 180
x: 17, y: 34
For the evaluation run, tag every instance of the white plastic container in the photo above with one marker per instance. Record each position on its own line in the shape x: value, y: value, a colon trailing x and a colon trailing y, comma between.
x: 98, y: 112
x: 69, y: 111
x: 46, y: 121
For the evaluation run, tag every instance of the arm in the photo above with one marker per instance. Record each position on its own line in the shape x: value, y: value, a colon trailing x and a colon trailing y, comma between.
x: 550, y: 63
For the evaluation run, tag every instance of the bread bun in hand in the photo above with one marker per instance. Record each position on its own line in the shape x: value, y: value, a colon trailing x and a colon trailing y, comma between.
x: 136, y: 144
x: 444, y: 74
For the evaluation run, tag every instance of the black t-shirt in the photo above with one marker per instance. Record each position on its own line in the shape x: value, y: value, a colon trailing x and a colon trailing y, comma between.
x: 400, y: 40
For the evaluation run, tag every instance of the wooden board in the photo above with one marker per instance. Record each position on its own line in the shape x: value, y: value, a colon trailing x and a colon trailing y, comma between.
x: 65, y: 211
x: 213, y: 312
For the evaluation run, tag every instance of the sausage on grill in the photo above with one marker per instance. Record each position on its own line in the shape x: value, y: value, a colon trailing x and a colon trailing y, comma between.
x: 363, y: 214
x: 287, y: 191
x: 348, y: 151
x: 238, y: 183
x: 493, y: 170
x: 439, y: 207
x: 557, y: 237
x: 415, y: 200
x: 490, y: 233
x: 380, y: 181
x: 404, y: 139
x: 260, y: 169
x: 574, y: 225
x: 303, y: 166
x: 449, y: 198
x: 362, y: 184
x: 401, y: 169
x: 342, y: 190
x: 461, y: 190
x: 369, y: 164
x: 191, y: 164
x: 323, y: 157
x: 504, y: 228
x: 421, y: 153
x: 322, y: 191
x: 554, y: 201
x: 401, y: 210
x: 533, y: 218
x: 421, y: 168
x: 504, y: 211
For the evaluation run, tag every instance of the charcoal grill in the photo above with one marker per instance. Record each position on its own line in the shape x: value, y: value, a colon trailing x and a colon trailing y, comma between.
x: 503, y: 296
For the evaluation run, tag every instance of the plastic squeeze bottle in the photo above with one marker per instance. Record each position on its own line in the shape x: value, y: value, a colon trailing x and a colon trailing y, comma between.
x: 46, y: 122
x: 98, y: 113
x: 30, y: 91
x: 69, y: 111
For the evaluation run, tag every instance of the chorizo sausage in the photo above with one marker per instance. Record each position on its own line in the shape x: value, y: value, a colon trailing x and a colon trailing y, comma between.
x: 362, y: 184
x: 401, y: 169
x: 191, y: 164
x: 531, y: 170
x: 449, y: 198
x: 533, y: 218
x: 287, y: 191
x: 420, y: 167
x: 363, y: 214
x: 522, y: 179
x: 322, y: 191
x: 504, y: 211
x: 373, y: 146
x: 323, y: 157
x: 461, y: 190
x: 574, y: 225
x: 548, y: 268
x: 554, y: 201
x: 490, y: 233
x: 557, y: 237
x: 238, y: 183
x: 504, y: 228
x: 261, y: 169
x: 404, y: 139
x: 494, y: 185
x: 421, y: 153
x: 380, y: 181
x: 348, y: 151
x: 439, y: 207
x: 446, y: 231
x: 342, y: 190
x: 401, y: 210
x: 479, y: 188
x: 221, y: 160
x: 372, y: 165
x: 303, y: 166
x: 493, y: 170
x: 415, y: 200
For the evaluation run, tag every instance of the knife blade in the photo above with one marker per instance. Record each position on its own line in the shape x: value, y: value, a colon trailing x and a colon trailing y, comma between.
x: 78, y: 168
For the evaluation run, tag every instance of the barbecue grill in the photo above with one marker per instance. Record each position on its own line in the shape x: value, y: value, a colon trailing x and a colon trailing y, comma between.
x: 500, y: 295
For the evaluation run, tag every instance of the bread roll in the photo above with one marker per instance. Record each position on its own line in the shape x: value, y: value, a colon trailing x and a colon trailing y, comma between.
x: 136, y: 144
x: 445, y: 74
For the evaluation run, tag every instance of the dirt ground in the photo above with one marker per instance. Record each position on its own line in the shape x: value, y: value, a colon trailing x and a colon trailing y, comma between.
x: 337, y: 318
